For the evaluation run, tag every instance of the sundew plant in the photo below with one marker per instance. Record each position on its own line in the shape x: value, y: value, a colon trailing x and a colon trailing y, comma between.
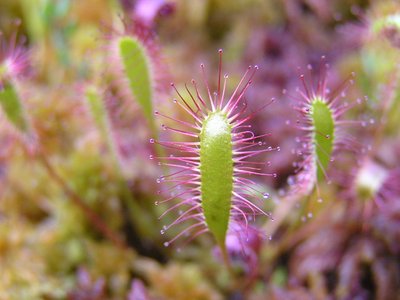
x: 176, y: 149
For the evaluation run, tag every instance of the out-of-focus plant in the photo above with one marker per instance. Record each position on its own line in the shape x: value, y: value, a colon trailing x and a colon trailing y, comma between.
x: 83, y: 94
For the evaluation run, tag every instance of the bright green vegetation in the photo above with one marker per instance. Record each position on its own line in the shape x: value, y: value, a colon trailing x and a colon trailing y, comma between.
x: 323, y: 136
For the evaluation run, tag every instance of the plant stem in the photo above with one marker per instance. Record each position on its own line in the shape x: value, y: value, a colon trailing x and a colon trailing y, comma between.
x: 226, y: 259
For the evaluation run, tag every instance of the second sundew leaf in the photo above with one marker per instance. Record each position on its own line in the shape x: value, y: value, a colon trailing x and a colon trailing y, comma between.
x: 216, y: 173
x: 323, y: 135
x: 97, y: 109
x: 141, y: 219
x: 99, y: 113
x: 12, y: 108
x: 137, y: 71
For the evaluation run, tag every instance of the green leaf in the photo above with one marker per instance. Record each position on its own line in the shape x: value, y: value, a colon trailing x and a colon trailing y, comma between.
x: 13, y: 108
x: 101, y: 118
x: 137, y: 70
x: 216, y: 173
x: 96, y: 107
x: 323, y: 136
x: 140, y: 217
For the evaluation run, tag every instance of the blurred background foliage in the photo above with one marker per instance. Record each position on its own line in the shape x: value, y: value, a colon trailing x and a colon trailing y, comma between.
x: 347, y: 247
